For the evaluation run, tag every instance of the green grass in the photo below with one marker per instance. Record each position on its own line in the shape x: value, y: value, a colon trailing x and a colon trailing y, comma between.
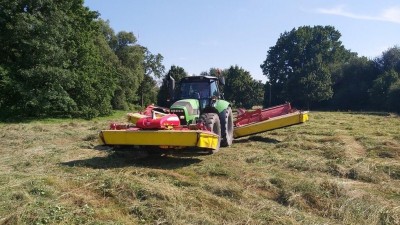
x: 338, y: 168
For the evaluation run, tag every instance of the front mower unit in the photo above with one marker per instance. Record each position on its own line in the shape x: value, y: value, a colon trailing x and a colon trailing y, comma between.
x: 165, y: 139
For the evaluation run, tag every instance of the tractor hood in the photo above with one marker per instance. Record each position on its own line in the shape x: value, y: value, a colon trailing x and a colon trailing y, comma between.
x: 187, y: 110
x: 191, y: 105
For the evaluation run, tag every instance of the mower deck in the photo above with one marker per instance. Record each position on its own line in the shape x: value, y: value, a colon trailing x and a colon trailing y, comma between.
x: 161, y: 138
x: 270, y: 124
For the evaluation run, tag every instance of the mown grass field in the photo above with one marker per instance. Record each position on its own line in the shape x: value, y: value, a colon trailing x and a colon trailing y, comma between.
x: 339, y: 168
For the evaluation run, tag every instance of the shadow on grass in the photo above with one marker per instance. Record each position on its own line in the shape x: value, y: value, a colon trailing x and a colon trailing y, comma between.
x: 258, y: 139
x: 121, y: 159
x: 384, y: 114
x: 15, y: 117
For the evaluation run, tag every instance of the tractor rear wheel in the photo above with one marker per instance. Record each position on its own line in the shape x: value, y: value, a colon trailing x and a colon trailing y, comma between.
x: 226, y: 118
x: 211, y: 121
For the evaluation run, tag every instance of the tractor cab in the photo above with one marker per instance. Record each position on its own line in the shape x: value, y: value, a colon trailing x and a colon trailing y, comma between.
x: 203, y: 88
x: 195, y: 95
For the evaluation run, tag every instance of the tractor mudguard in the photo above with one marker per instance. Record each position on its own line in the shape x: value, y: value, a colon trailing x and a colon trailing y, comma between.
x: 221, y: 105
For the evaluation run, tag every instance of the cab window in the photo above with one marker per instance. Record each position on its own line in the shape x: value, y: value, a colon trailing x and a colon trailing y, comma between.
x: 214, y: 89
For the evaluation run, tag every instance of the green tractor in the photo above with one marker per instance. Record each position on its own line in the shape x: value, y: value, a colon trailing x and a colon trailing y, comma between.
x: 199, y: 99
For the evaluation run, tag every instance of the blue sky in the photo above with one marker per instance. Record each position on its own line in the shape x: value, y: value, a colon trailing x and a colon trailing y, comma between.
x: 198, y: 35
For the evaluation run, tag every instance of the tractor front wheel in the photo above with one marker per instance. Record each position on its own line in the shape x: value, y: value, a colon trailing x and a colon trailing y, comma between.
x: 226, y: 118
x: 211, y: 121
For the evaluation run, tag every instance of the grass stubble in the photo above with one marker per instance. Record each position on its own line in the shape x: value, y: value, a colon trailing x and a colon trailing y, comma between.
x: 338, y: 168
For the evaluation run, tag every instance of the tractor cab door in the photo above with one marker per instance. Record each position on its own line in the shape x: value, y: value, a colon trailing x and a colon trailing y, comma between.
x: 214, y: 89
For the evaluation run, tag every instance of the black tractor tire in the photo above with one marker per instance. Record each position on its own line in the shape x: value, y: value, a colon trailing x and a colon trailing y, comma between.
x: 211, y: 121
x: 226, y: 118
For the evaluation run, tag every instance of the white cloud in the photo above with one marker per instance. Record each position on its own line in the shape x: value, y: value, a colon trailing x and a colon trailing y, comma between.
x: 392, y: 14
x: 389, y: 15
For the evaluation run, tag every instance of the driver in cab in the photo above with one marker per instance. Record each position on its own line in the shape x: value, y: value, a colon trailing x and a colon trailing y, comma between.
x: 201, y: 90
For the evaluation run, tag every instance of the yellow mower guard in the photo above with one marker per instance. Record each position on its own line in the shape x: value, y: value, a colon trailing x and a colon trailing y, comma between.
x: 161, y: 138
x: 271, y: 124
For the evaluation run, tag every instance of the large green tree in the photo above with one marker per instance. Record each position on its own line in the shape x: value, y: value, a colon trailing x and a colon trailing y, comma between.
x: 381, y: 88
x: 137, y: 69
x: 385, y: 87
x: 52, y: 61
x: 394, y: 96
x: 148, y: 91
x: 215, y: 72
x: 352, y: 84
x: 130, y: 71
x: 241, y: 89
x: 154, y: 69
x: 300, y: 65
x: 389, y: 60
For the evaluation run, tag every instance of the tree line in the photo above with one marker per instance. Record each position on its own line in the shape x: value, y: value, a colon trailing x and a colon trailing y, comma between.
x: 310, y: 67
x: 58, y: 58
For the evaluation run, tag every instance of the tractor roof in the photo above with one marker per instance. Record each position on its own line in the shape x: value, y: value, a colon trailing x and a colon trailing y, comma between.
x: 198, y: 78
